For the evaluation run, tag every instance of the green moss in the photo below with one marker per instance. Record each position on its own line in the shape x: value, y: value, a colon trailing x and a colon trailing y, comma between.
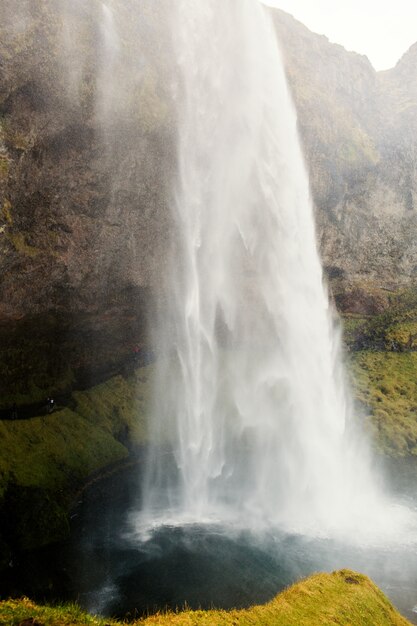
x: 119, y: 405
x: 54, y: 450
x: 343, y: 598
x: 17, y: 139
x: 385, y: 383
x: 402, y: 335
x: 50, y: 451
x: 43, y: 460
x: 323, y: 599
x: 18, y: 240
x: 393, y: 329
x: 15, y: 612
x: 352, y: 326
x: 356, y: 148
x: 4, y: 168
x: 6, y: 210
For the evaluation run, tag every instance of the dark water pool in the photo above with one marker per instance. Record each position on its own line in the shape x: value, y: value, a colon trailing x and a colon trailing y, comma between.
x: 109, y: 571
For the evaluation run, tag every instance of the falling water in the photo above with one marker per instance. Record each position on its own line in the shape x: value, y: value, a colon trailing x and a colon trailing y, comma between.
x: 251, y: 399
x: 108, y: 48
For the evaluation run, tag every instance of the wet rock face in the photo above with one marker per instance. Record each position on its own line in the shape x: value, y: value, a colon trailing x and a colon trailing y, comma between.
x: 86, y: 161
x: 358, y: 128
x: 83, y: 218
x: 82, y: 196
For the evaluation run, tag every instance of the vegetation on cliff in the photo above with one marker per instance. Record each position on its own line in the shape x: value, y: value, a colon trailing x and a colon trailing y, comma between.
x: 43, y: 460
x: 342, y: 598
x: 392, y: 327
x: 383, y: 368
x: 386, y: 387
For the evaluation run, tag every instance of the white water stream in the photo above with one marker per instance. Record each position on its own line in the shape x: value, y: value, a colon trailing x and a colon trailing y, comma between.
x: 252, y: 399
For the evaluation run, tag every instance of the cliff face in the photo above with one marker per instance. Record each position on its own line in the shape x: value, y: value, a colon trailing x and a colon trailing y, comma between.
x: 80, y: 185
x: 83, y: 162
x: 358, y: 128
x: 86, y: 157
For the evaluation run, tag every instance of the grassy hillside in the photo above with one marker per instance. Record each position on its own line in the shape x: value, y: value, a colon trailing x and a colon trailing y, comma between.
x: 383, y: 367
x: 44, y: 459
x: 44, y: 451
x: 385, y: 385
x: 342, y: 598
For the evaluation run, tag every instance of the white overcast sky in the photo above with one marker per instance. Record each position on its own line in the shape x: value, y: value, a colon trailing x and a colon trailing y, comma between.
x: 381, y: 29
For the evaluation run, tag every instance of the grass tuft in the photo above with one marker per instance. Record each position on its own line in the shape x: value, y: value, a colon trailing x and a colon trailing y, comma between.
x: 342, y: 598
x: 385, y: 385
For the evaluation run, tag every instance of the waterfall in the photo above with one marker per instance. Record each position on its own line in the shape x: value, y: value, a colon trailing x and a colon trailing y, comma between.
x: 251, y: 419
x: 109, y: 49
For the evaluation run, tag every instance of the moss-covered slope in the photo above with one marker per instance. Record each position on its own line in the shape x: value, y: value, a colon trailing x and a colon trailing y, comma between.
x: 383, y: 368
x: 71, y: 443
x: 386, y: 387
x: 342, y: 598
x: 43, y: 460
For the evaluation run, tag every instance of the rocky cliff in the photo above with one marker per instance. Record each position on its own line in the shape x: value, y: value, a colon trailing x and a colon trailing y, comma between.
x: 358, y: 129
x: 83, y: 162
x: 86, y: 159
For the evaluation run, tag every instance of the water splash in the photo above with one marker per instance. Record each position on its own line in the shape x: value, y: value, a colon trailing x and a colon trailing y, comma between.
x: 251, y: 402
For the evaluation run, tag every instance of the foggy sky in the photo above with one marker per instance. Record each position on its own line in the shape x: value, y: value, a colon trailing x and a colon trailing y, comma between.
x: 381, y: 29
